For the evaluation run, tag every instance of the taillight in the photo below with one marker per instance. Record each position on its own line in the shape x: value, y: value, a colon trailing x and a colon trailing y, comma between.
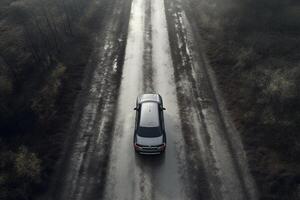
x: 162, y: 146
x: 136, y: 146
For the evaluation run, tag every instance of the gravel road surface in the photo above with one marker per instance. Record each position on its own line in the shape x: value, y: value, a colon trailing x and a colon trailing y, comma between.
x: 151, y: 46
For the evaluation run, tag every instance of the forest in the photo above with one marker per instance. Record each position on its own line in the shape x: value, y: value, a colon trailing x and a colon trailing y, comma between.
x: 44, y: 48
x: 254, y: 49
x: 252, y: 45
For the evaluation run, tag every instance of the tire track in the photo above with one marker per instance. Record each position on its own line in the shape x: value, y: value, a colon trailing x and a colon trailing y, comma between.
x: 85, y: 163
x: 197, y: 169
x: 220, y: 163
x: 126, y: 179
x: 134, y: 176
x: 231, y: 134
x: 172, y: 179
x: 147, y: 64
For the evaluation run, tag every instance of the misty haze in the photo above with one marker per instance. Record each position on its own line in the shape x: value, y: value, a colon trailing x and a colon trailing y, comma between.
x: 149, y: 99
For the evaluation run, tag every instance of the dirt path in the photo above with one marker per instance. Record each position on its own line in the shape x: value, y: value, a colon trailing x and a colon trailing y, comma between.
x: 82, y: 168
x: 157, y: 52
x: 222, y: 151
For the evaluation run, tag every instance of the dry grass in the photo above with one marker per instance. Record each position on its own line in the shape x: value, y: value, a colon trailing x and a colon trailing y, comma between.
x: 254, y: 48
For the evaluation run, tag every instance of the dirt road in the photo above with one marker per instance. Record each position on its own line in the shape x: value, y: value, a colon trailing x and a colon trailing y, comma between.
x: 151, y: 46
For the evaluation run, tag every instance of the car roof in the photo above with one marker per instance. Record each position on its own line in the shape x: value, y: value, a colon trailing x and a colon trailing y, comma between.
x: 149, y: 116
x: 149, y: 97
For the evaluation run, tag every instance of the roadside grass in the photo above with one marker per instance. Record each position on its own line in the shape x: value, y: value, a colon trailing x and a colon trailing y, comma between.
x: 254, y: 48
x: 43, y: 54
x: 19, y: 171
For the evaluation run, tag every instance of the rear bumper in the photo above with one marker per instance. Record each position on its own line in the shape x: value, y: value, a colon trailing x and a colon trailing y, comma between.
x: 149, y: 153
x: 149, y: 150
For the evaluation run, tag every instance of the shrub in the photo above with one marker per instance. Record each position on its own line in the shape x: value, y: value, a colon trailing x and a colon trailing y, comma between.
x: 44, y: 103
x: 19, y: 172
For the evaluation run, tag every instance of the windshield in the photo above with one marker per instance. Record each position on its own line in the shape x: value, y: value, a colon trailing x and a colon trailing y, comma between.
x: 149, y: 132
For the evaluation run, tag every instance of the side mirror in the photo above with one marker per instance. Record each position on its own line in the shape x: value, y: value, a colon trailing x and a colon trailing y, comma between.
x: 135, y: 108
x: 163, y: 108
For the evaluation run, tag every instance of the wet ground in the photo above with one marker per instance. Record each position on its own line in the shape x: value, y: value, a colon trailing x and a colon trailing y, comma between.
x: 151, y: 46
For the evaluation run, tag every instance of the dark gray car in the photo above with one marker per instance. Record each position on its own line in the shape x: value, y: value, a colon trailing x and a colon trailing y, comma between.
x: 149, y: 133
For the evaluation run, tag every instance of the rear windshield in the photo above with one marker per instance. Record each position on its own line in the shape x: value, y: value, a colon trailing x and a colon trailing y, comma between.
x: 149, y: 132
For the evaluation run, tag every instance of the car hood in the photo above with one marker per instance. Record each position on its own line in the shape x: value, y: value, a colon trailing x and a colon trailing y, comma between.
x: 149, y: 141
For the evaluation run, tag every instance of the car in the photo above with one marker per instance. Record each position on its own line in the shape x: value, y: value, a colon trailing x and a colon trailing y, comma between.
x: 149, y: 131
